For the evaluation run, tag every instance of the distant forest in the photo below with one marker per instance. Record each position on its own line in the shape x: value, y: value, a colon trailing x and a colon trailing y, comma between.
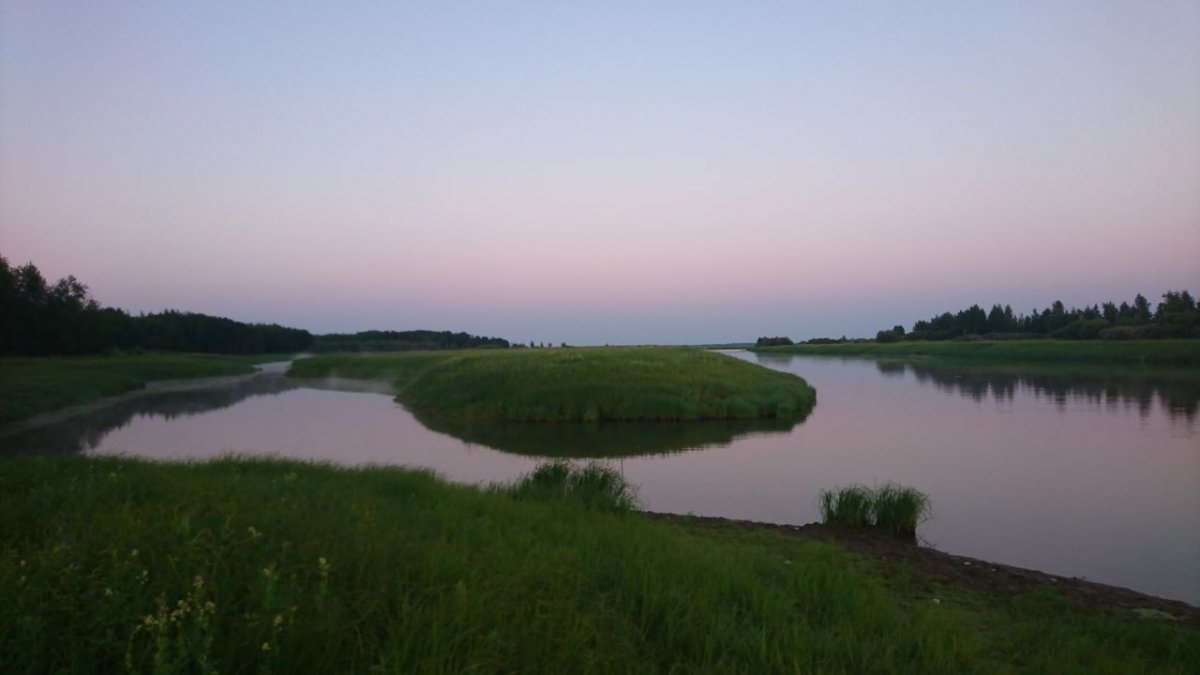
x: 1174, y: 317
x: 38, y: 318
x: 41, y: 319
x: 407, y: 340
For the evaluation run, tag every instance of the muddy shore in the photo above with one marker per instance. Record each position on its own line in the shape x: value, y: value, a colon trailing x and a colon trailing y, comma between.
x: 936, y: 567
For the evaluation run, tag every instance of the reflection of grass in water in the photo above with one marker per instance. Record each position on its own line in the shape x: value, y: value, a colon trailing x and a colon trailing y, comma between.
x: 610, y: 439
x: 29, y: 385
x: 586, y: 385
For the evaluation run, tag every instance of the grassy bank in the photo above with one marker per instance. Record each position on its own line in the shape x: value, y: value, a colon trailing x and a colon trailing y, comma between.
x: 1184, y: 353
x: 589, y: 385
x: 29, y: 385
x: 261, y: 566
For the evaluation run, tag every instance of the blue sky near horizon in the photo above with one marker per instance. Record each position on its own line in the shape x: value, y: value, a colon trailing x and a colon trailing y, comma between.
x: 602, y: 172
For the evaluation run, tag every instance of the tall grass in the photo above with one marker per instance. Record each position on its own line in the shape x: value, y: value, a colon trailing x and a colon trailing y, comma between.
x: 848, y: 506
x: 898, y: 510
x: 582, y: 385
x: 255, y: 566
x: 892, y: 508
x: 593, y: 485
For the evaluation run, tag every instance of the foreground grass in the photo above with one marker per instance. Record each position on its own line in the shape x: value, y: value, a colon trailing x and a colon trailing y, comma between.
x: 1127, y: 353
x: 260, y: 566
x: 32, y: 385
x: 589, y: 385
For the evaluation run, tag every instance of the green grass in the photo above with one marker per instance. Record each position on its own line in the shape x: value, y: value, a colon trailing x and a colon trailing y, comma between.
x: 898, y: 509
x: 255, y: 566
x: 592, y: 485
x: 32, y: 385
x: 893, y: 508
x: 847, y: 507
x: 1131, y: 353
x: 584, y: 385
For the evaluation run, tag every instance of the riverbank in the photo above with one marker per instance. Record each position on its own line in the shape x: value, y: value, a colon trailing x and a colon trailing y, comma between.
x: 253, y: 566
x: 579, y: 385
x: 34, y: 385
x: 1173, y: 353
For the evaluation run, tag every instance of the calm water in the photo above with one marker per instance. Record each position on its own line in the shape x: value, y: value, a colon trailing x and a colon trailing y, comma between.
x: 1097, y: 477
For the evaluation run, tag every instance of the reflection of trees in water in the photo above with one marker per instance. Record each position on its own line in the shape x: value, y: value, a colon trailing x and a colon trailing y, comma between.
x: 611, y: 439
x: 1179, y: 397
x: 86, y: 430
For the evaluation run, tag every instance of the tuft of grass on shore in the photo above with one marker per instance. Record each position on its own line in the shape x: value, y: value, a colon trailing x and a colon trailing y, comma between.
x: 33, y: 385
x: 847, y: 507
x: 258, y: 566
x: 893, y: 508
x: 581, y: 385
x: 1094, y: 352
x: 594, y: 485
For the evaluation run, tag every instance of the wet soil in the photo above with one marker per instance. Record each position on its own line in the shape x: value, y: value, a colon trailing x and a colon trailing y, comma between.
x: 929, y: 568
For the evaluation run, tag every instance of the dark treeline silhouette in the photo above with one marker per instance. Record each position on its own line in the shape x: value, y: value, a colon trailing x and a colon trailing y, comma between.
x: 407, y: 340
x: 1175, y: 317
x: 773, y: 342
x: 38, y: 318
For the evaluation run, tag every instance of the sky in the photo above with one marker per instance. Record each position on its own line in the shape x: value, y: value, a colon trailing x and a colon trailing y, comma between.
x: 607, y: 172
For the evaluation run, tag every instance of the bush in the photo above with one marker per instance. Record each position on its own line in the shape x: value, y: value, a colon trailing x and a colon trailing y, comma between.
x: 1120, y: 333
x: 1081, y: 329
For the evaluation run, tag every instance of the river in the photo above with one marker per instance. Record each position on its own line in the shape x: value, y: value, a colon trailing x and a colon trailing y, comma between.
x: 1094, y: 475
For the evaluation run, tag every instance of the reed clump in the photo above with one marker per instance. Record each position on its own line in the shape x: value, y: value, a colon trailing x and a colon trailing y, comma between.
x: 891, y: 508
x: 593, y: 485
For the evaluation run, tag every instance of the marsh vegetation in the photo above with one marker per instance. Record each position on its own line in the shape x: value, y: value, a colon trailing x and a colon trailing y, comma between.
x: 255, y: 566
x: 579, y: 385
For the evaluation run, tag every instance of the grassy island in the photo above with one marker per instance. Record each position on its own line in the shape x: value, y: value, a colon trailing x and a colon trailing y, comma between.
x: 256, y: 566
x: 583, y: 385
x: 1167, y: 353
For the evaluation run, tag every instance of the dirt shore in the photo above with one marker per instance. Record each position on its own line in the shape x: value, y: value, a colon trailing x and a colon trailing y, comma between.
x: 936, y: 567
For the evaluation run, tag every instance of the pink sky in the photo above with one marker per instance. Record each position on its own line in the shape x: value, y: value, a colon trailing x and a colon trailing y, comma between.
x: 619, y: 173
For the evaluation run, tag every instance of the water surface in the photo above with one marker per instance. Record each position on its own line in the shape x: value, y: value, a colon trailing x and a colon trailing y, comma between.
x: 1094, y: 475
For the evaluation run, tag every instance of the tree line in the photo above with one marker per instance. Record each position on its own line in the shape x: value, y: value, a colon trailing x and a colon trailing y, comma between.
x: 1174, y: 317
x: 405, y: 340
x: 38, y: 318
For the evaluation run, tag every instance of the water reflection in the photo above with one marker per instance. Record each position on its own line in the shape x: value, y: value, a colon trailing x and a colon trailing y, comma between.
x: 613, y: 439
x: 83, y: 431
x: 76, y: 432
x: 1178, y: 396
